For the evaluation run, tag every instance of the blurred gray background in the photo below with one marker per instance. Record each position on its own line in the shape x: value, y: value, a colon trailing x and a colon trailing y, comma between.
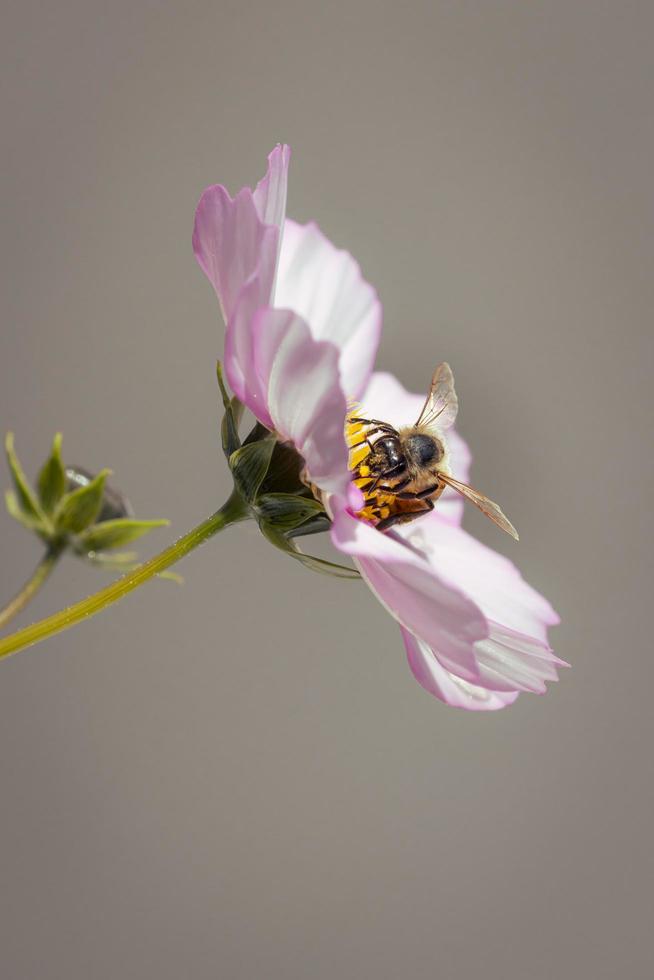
x: 187, y: 792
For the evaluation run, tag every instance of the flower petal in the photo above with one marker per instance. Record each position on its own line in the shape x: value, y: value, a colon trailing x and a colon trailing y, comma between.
x: 416, y: 594
x: 386, y: 399
x: 515, y: 655
x: 510, y: 661
x: 293, y: 387
x: 491, y: 580
x: 324, y: 285
x: 234, y: 247
x: 270, y: 193
x: 431, y: 675
x: 236, y: 240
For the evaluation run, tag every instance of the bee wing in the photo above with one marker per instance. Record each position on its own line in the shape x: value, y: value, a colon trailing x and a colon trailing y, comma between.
x: 485, y: 505
x: 442, y: 404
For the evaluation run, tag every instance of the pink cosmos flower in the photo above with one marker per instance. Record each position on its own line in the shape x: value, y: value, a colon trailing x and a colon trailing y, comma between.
x: 302, y: 329
x: 303, y: 326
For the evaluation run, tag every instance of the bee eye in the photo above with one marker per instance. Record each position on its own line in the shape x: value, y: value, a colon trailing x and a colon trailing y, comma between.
x: 425, y: 449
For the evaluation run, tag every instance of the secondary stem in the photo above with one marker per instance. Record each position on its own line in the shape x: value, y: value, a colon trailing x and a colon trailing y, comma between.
x: 31, y: 587
x: 234, y: 510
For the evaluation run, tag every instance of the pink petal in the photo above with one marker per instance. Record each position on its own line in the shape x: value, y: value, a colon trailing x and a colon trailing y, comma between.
x: 236, y: 241
x: 515, y: 655
x: 324, y: 285
x: 415, y: 592
x: 488, y: 578
x: 270, y: 193
x: 431, y: 675
x: 233, y: 246
x: 386, y: 399
x: 292, y: 386
x: 510, y: 661
x: 240, y: 340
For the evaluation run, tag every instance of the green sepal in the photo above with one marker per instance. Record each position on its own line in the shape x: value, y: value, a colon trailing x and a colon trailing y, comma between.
x: 78, y: 509
x: 285, y: 510
x: 116, y: 533
x: 285, y: 472
x: 124, y: 560
x: 249, y: 466
x: 315, y: 525
x: 25, y: 497
x: 278, y: 539
x: 232, y: 417
x: 16, y: 511
x: 256, y: 434
x: 52, y: 478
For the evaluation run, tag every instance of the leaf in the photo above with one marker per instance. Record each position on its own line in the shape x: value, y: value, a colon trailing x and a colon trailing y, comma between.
x: 286, y: 510
x: 315, y: 564
x: 114, y: 534
x: 233, y: 414
x: 325, y: 567
x: 25, y: 497
x: 315, y: 525
x: 123, y: 561
x: 16, y: 511
x: 52, y: 478
x: 249, y: 465
x: 78, y: 509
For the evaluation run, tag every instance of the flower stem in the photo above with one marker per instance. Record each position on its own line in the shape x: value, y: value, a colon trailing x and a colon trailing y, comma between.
x: 31, y: 587
x: 234, y: 510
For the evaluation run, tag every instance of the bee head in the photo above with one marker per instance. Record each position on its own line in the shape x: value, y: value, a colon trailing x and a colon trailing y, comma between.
x: 423, y: 450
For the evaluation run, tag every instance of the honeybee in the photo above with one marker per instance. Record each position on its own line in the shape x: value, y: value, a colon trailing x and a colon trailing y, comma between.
x: 403, y: 472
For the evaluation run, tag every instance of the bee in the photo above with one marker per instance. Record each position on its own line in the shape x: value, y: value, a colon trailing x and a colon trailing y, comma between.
x: 403, y: 472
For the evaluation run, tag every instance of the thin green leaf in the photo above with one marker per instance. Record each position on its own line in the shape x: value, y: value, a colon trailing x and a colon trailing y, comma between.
x: 315, y: 564
x: 17, y: 512
x: 78, y: 509
x: 325, y: 567
x: 116, y: 533
x: 25, y: 497
x: 315, y: 525
x: 52, y: 478
x: 249, y: 466
x: 118, y: 561
x: 232, y: 417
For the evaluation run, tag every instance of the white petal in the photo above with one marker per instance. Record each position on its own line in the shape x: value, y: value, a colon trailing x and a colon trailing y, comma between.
x: 491, y: 580
x: 515, y: 656
x: 415, y: 593
x: 509, y: 661
x: 324, y: 285
x: 454, y: 691
x: 270, y: 193
x: 298, y: 378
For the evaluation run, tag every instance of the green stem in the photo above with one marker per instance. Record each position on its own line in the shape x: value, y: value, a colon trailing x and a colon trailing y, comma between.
x: 31, y: 587
x: 234, y: 510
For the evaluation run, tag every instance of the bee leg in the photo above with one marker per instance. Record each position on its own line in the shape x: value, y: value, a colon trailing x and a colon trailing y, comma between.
x: 427, y: 492
x: 382, y: 426
x: 398, y: 486
x: 405, y: 517
x: 364, y: 441
x: 387, y: 474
